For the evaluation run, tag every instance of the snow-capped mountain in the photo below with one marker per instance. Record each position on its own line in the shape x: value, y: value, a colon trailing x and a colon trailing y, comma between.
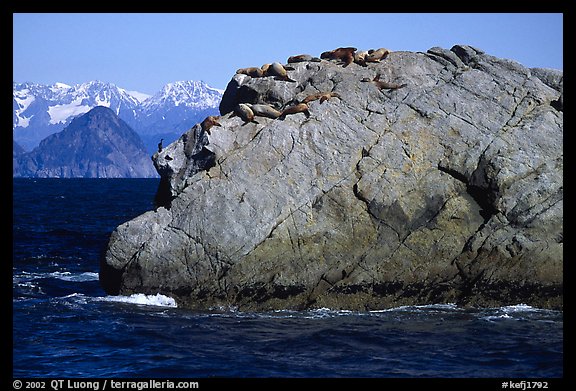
x: 41, y: 110
x: 174, y: 110
x: 97, y: 144
x: 192, y: 94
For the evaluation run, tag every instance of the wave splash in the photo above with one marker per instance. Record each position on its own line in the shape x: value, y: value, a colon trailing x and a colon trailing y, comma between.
x: 158, y: 300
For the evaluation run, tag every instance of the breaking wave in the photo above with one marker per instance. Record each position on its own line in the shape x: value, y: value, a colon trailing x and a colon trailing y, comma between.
x: 142, y: 299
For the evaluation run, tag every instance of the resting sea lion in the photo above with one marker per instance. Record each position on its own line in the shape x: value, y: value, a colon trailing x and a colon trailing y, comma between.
x: 382, y: 84
x: 209, y: 122
x: 265, y: 68
x: 252, y: 72
x: 320, y: 95
x: 377, y: 55
x: 360, y: 58
x: 299, y: 108
x: 344, y: 54
x: 280, y: 71
x: 302, y: 58
x: 243, y: 111
x: 262, y: 110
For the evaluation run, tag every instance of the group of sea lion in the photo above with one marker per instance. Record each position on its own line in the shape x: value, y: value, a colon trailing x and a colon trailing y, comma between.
x: 247, y: 111
x: 279, y: 71
x: 346, y: 55
x: 349, y: 55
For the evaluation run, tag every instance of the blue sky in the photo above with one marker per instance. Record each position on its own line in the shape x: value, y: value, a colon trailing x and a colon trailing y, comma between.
x: 143, y: 52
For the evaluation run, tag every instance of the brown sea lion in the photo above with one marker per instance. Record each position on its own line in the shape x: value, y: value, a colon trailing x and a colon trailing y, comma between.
x: 302, y: 58
x: 360, y: 58
x: 262, y: 110
x: 243, y: 111
x: 383, y: 84
x: 344, y: 54
x: 252, y: 72
x: 320, y: 95
x: 265, y: 68
x: 209, y: 122
x: 377, y: 55
x: 299, y: 108
x: 279, y: 71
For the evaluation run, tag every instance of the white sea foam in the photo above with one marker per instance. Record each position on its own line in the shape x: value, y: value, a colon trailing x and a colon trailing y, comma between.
x: 75, y: 277
x: 65, y: 276
x: 416, y: 308
x: 518, y: 308
x: 492, y: 318
x: 142, y: 299
x: 327, y: 312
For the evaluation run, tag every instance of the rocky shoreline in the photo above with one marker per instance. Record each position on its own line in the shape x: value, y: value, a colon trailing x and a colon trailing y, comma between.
x: 423, y: 178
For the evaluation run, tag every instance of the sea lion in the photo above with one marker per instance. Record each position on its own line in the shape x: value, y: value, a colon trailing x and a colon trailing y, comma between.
x: 209, y: 122
x: 243, y: 111
x: 299, y: 108
x: 344, y: 54
x: 251, y: 71
x: 320, y: 95
x: 360, y: 58
x: 382, y: 84
x: 302, y: 58
x: 262, y: 110
x: 279, y: 71
x: 377, y: 55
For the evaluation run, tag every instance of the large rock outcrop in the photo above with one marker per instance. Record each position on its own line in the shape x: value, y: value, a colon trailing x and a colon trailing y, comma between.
x: 447, y: 190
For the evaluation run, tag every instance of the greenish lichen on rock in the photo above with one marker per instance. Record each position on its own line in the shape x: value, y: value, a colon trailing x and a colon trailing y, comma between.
x: 447, y: 190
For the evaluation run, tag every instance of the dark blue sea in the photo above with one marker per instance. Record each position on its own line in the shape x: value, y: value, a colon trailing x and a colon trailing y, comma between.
x: 65, y: 326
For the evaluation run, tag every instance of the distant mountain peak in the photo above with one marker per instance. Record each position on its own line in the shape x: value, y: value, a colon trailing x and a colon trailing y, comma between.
x: 97, y: 144
x: 41, y: 110
x: 189, y: 93
x: 139, y: 96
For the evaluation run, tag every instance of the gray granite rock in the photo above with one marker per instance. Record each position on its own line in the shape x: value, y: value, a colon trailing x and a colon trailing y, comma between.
x: 447, y: 190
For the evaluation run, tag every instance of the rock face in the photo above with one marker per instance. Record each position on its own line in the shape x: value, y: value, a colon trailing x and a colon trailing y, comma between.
x: 97, y: 144
x: 449, y: 189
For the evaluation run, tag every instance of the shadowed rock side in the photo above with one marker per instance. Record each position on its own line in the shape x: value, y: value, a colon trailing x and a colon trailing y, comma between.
x: 449, y: 189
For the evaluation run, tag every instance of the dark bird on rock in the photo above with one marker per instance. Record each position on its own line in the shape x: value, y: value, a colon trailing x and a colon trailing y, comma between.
x: 160, y: 145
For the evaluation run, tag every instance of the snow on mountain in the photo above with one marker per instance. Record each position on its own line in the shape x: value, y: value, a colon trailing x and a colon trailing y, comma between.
x: 140, y: 96
x: 97, y: 144
x: 41, y: 110
x: 193, y: 94
x: 174, y: 109
x: 60, y: 113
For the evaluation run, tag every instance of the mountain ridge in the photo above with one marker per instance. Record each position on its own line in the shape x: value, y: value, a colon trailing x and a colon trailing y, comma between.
x: 40, y: 110
x: 97, y: 144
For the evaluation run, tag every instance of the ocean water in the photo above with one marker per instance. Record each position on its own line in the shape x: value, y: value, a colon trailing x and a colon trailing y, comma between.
x: 64, y: 325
